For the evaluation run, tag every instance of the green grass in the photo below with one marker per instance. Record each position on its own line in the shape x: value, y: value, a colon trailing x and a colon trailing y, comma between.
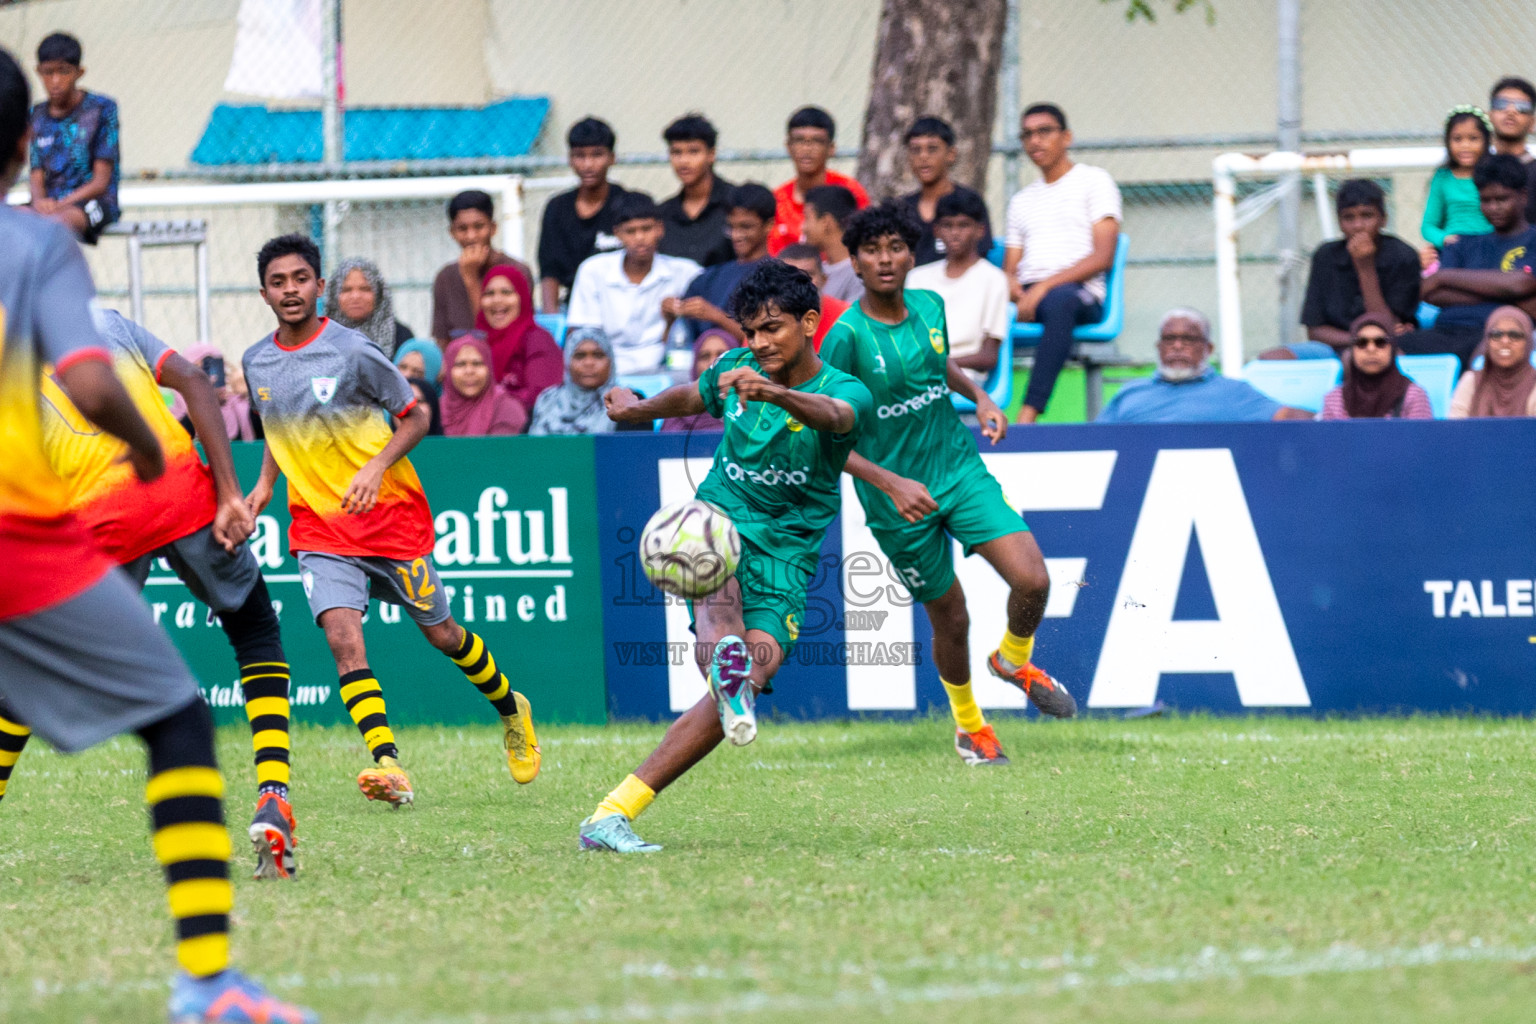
x: 1262, y: 869
x: 1069, y: 399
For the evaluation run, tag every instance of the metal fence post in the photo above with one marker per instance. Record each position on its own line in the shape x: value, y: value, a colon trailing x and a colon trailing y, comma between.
x: 332, y: 86
x: 1288, y: 132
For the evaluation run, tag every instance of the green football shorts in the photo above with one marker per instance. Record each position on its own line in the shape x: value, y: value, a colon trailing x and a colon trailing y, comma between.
x: 972, y: 514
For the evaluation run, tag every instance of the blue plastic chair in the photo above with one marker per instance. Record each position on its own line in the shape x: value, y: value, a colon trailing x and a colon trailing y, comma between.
x: 1437, y: 375
x: 1298, y: 383
x: 554, y: 323
x: 997, y: 252
x: 999, y: 383
x: 1427, y: 315
x: 646, y: 385
x: 1109, y: 327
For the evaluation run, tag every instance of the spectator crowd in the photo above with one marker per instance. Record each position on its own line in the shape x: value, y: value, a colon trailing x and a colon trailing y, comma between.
x: 641, y: 290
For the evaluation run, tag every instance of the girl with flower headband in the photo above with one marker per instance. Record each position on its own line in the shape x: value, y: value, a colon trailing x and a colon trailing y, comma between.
x: 1452, y: 209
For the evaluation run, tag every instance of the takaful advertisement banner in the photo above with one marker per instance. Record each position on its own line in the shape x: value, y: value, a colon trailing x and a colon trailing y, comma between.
x: 517, y: 552
x: 1320, y: 567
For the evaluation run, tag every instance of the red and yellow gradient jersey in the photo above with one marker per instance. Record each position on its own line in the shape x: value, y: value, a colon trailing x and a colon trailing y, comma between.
x: 127, y: 517
x: 45, y: 294
x: 323, y: 406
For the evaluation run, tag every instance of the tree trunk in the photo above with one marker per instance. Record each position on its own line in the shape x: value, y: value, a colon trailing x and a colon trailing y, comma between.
x: 937, y: 58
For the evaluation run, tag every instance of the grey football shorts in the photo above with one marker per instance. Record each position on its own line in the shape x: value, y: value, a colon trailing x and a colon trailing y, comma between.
x: 348, y: 581
x: 92, y: 667
x: 220, y: 580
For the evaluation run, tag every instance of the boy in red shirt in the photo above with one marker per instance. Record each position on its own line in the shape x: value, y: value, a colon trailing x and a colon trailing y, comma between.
x: 810, y: 144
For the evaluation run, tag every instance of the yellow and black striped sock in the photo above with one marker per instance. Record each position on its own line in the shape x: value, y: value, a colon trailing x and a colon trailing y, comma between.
x: 476, y: 661
x: 266, y: 705
x: 364, y: 699
x: 185, y: 796
x: 13, y: 738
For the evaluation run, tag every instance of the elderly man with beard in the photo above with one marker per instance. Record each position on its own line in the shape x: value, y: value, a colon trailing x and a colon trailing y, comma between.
x: 1186, y: 389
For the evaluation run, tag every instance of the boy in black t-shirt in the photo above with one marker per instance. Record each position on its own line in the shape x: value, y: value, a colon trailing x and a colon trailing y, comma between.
x: 1367, y: 270
x: 931, y: 155
x: 74, y: 148
x: 579, y: 223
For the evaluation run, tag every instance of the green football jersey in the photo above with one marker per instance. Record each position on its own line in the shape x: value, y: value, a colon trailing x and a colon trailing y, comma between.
x: 916, y: 433
x: 776, y: 478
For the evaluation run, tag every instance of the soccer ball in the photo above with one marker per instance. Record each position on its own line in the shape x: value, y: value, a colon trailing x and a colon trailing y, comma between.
x: 689, y: 549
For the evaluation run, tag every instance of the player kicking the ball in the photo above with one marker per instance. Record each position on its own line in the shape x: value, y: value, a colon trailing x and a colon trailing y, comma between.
x: 195, y: 517
x: 81, y: 659
x: 921, y: 480
x: 790, y: 422
x: 361, y: 525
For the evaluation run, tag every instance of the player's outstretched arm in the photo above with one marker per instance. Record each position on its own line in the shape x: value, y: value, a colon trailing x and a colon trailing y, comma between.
x: 363, y: 494
x: 819, y: 412
x: 994, y: 424
x: 911, y: 498
x: 624, y: 406
x: 232, y: 522
x: 99, y: 395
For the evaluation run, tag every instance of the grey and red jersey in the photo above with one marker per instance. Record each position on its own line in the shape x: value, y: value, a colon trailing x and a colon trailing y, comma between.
x: 325, y: 406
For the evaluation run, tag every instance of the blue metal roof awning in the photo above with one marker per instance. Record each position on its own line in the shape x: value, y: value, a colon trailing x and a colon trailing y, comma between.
x: 248, y: 135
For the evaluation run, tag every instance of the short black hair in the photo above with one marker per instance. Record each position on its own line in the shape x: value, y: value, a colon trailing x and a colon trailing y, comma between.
x: 1513, y: 82
x: 756, y: 198
x: 935, y: 126
x: 774, y: 283
x: 889, y: 218
x: 471, y: 199
x: 15, y: 102
x: 287, y: 245
x: 1360, y: 192
x: 1046, y: 108
x: 590, y: 131
x: 962, y: 203
x: 800, y: 251
x: 813, y: 117
x: 60, y: 46
x: 635, y: 206
x: 691, y: 128
x: 1500, y: 169
x: 835, y: 201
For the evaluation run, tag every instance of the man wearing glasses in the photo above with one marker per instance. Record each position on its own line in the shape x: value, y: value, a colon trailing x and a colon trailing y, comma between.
x: 1512, y: 109
x: 1060, y: 240
x: 1186, y: 389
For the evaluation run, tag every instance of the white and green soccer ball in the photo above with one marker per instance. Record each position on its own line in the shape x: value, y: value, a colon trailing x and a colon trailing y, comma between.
x: 689, y: 549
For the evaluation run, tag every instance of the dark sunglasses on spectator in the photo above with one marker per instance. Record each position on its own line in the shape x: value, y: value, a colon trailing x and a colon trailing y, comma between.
x: 1373, y: 343
x: 1180, y: 339
x: 1505, y: 103
x: 1510, y: 335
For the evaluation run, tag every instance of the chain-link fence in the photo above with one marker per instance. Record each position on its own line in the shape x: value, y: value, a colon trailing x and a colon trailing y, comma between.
x: 477, y: 86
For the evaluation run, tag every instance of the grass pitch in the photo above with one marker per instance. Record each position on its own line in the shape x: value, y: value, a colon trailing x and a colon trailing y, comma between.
x: 1262, y: 869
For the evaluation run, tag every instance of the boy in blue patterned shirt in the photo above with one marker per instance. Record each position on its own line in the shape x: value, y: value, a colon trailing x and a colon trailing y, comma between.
x: 74, y: 144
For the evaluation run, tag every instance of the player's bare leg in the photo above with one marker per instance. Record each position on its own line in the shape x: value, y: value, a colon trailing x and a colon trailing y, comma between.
x: 364, y: 700
x: 1018, y: 560
x: 975, y: 741
x: 476, y: 661
x: 693, y: 735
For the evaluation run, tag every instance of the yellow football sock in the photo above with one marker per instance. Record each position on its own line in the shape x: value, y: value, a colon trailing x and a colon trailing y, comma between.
x: 962, y: 702
x: 630, y: 798
x: 1015, y: 650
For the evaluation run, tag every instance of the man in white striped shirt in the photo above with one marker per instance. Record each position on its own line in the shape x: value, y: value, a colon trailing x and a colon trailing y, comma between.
x: 1060, y: 240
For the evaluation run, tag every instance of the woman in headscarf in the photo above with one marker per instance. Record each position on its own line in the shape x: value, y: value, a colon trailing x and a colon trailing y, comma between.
x: 235, y: 407
x: 357, y: 297
x: 1506, y: 385
x: 474, y: 404
x: 576, y: 405
x: 420, y: 359
x: 524, y: 358
x: 705, y: 351
x: 1374, y: 388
